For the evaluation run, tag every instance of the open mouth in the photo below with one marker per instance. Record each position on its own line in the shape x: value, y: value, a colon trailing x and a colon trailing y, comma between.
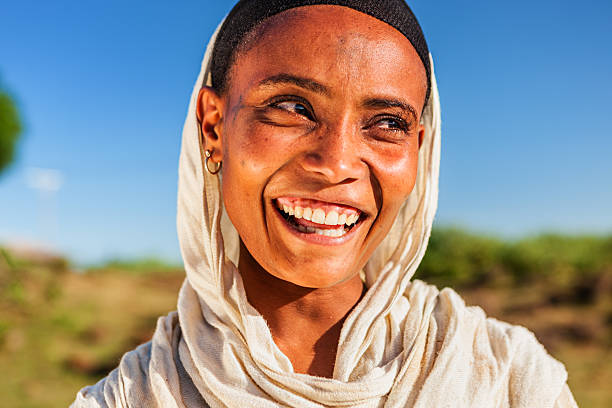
x: 317, y: 217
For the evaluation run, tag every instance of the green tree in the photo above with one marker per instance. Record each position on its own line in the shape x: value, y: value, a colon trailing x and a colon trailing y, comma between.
x: 10, y: 127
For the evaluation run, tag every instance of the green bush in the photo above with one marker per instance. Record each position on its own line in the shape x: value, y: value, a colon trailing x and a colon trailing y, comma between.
x: 9, y: 130
x: 457, y: 258
x: 572, y: 268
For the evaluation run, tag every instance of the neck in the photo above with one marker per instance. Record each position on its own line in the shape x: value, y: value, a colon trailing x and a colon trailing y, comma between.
x: 305, y: 322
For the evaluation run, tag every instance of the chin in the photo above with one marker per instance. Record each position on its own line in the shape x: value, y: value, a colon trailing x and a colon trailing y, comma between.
x: 318, y: 275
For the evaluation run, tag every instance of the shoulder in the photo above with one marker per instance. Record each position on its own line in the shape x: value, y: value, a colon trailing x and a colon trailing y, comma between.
x: 491, y: 353
x: 510, y: 343
x: 110, y: 391
x: 450, y: 310
x: 131, y: 382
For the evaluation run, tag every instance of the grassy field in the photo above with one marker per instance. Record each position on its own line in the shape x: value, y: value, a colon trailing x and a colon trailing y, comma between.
x: 61, y: 330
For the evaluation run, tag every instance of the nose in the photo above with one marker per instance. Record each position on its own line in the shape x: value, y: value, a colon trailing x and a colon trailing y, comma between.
x: 335, y: 153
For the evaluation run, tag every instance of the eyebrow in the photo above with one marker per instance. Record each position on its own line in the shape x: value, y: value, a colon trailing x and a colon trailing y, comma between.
x: 301, y: 82
x: 378, y: 103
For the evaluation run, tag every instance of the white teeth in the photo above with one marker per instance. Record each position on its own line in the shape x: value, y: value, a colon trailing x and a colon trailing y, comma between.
x: 287, y: 209
x: 336, y: 232
x: 318, y: 216
x: 331, y: 218
x: 351, y: 219
x: 326, y: 232
x: 307, y: 215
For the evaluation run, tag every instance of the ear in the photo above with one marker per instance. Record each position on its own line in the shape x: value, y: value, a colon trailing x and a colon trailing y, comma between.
x: 209, y: 110
x: 421, y: 135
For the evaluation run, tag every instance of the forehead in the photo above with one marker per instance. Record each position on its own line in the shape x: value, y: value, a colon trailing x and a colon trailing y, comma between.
x: 330, y: 43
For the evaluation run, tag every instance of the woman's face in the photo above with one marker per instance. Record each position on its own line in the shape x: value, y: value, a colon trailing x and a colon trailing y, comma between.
x: 319, y: 135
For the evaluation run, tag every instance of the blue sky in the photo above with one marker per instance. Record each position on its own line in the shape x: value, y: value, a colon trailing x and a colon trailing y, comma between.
x: 103, y: 87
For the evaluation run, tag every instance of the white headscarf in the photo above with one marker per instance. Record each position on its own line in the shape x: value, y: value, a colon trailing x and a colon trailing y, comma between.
x: 404, y: 344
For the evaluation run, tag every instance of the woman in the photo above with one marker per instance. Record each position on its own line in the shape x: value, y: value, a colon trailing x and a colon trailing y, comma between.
x: 307, y: 190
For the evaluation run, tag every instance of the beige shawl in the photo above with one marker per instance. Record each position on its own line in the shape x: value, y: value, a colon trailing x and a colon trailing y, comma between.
x: 405, y: 343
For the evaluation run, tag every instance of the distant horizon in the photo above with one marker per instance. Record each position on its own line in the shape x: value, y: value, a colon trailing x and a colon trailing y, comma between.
x: 41, y: 248
x: 103, y: 91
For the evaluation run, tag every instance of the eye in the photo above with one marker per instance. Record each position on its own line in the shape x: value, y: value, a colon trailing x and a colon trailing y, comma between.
x: 297, y: 107
x: 391, y: 123
x: 388, y: 127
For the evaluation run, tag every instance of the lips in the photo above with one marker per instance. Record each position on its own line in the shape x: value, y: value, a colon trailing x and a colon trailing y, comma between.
x: 318, y: 217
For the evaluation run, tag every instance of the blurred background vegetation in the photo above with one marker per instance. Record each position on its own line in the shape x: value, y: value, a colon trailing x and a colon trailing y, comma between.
x: 10, y: 128
x: 62, y: 328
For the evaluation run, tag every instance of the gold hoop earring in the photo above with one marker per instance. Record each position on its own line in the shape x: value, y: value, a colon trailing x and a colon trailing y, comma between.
x: 208, y: 154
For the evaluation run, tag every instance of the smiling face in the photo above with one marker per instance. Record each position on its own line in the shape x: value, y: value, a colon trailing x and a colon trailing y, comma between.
x: 319, y: 135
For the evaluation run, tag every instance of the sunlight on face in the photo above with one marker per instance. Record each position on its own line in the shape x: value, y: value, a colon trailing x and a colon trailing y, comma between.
x: 319, y: 140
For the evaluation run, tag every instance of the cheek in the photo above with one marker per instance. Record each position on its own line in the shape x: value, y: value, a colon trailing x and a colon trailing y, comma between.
x: 254, y: 150
x: 398, y: 174
x: 396, y: 178
x: 251, y: 155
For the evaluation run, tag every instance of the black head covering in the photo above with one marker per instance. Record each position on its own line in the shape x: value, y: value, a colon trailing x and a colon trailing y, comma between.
x: 247, y: 14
